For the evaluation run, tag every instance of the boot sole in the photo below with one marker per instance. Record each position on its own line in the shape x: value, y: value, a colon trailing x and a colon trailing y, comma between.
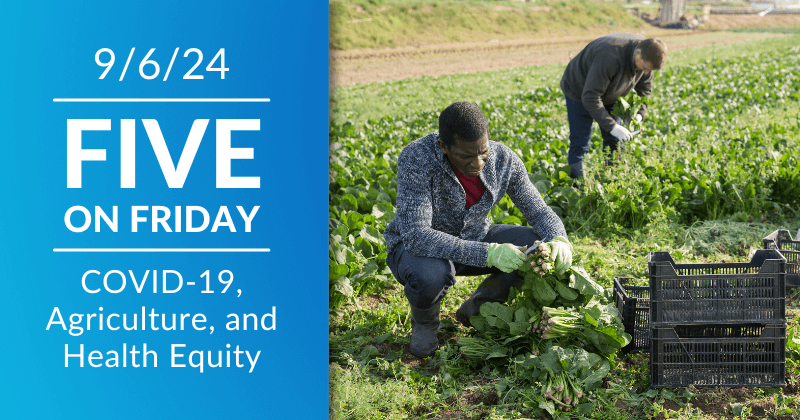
x: 421, y: 356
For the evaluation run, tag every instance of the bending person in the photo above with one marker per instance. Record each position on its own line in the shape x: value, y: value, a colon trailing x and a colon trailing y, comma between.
x: 605, y: 70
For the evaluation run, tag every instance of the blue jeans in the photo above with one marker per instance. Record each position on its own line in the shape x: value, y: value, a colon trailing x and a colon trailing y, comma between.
x: 426, y: 280
x: 580, y: 131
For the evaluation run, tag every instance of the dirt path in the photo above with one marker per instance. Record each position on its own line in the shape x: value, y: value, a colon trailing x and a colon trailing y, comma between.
x: 375, y: 65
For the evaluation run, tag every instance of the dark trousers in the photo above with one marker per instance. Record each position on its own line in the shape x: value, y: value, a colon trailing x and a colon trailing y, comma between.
x: 426, y: 280
x: 580, y: 132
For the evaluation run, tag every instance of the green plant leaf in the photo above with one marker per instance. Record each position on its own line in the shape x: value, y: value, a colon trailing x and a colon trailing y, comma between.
x: 348, y: 202
x: 579, y: 279
x: 371, y: 234
x: 343, y: 287
x: 736, y: 409
x: 337, y: 271
x: 596, y: 378
x: 548, y: 406
x: 518, y: 328
x: 566, y: 292
x: 498, y: 310
x: 590, y: 319
x: 381, y: 209
x: 479, y: 323
x: 497, y: 351
x: 543, y: 292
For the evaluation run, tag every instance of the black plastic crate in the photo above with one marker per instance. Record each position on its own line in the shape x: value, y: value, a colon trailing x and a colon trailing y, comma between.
x: 782, y: 241
x: 735, y: 355
x: 633, y: 303
x: 719, y: 292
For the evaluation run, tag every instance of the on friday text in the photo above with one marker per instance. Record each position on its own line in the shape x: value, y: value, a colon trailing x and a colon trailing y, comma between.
x: 161, y: 218
x: 178, y: 358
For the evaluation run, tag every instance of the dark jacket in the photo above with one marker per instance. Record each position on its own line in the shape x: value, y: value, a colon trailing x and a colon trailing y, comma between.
x: 431, y: 218
x: 604, y: 71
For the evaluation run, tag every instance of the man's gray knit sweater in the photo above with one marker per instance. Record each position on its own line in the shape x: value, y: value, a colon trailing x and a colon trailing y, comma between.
x: 604, y: 71
x: 432, y: 219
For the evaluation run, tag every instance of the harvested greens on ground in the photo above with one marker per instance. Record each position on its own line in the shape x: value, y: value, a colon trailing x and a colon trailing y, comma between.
x: 561, y: 331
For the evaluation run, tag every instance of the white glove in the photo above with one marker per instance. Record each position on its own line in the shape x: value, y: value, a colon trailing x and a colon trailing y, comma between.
x: 621, y: 133
x: 637, y: 117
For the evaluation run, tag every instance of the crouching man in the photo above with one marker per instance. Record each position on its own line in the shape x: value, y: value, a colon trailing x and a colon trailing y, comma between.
x: 447, y: 182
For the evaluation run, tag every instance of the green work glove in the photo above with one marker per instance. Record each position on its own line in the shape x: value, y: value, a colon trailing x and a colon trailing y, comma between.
x: 561, y: 254
x: 505, y: 257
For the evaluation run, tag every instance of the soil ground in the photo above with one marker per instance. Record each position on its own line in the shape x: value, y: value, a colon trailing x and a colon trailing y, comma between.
x: 362, y: 66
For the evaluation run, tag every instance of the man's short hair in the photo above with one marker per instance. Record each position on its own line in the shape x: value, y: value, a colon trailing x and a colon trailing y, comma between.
x: 462, y: 119
x: 654, y: 51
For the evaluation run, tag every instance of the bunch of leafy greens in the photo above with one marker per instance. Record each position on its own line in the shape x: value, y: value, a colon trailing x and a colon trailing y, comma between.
x: 559, y: 329
x: 627, y: 107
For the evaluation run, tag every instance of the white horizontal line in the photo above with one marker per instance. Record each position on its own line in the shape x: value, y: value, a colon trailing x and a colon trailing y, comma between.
x: 160, y: 99
x: 160, y: 249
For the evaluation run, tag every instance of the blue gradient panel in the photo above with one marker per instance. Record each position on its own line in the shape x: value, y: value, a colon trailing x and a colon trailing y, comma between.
x: 275, y: 50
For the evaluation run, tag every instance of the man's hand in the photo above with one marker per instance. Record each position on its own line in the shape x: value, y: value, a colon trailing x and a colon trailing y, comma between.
x: 561, y: 254
x: 505, y: 257
x: 621, y: 133
x: 637, y: 118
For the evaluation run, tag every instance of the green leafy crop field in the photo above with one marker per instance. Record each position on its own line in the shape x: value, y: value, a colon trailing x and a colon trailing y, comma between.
x: 716, y: 169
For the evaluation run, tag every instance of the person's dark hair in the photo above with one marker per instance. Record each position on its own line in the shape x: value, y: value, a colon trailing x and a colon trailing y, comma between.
x: 654, y: 51
x: 462, y: 119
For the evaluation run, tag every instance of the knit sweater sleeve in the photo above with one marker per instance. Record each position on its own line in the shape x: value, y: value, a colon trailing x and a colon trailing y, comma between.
x: 542, y: 219
x: 415, y: 213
